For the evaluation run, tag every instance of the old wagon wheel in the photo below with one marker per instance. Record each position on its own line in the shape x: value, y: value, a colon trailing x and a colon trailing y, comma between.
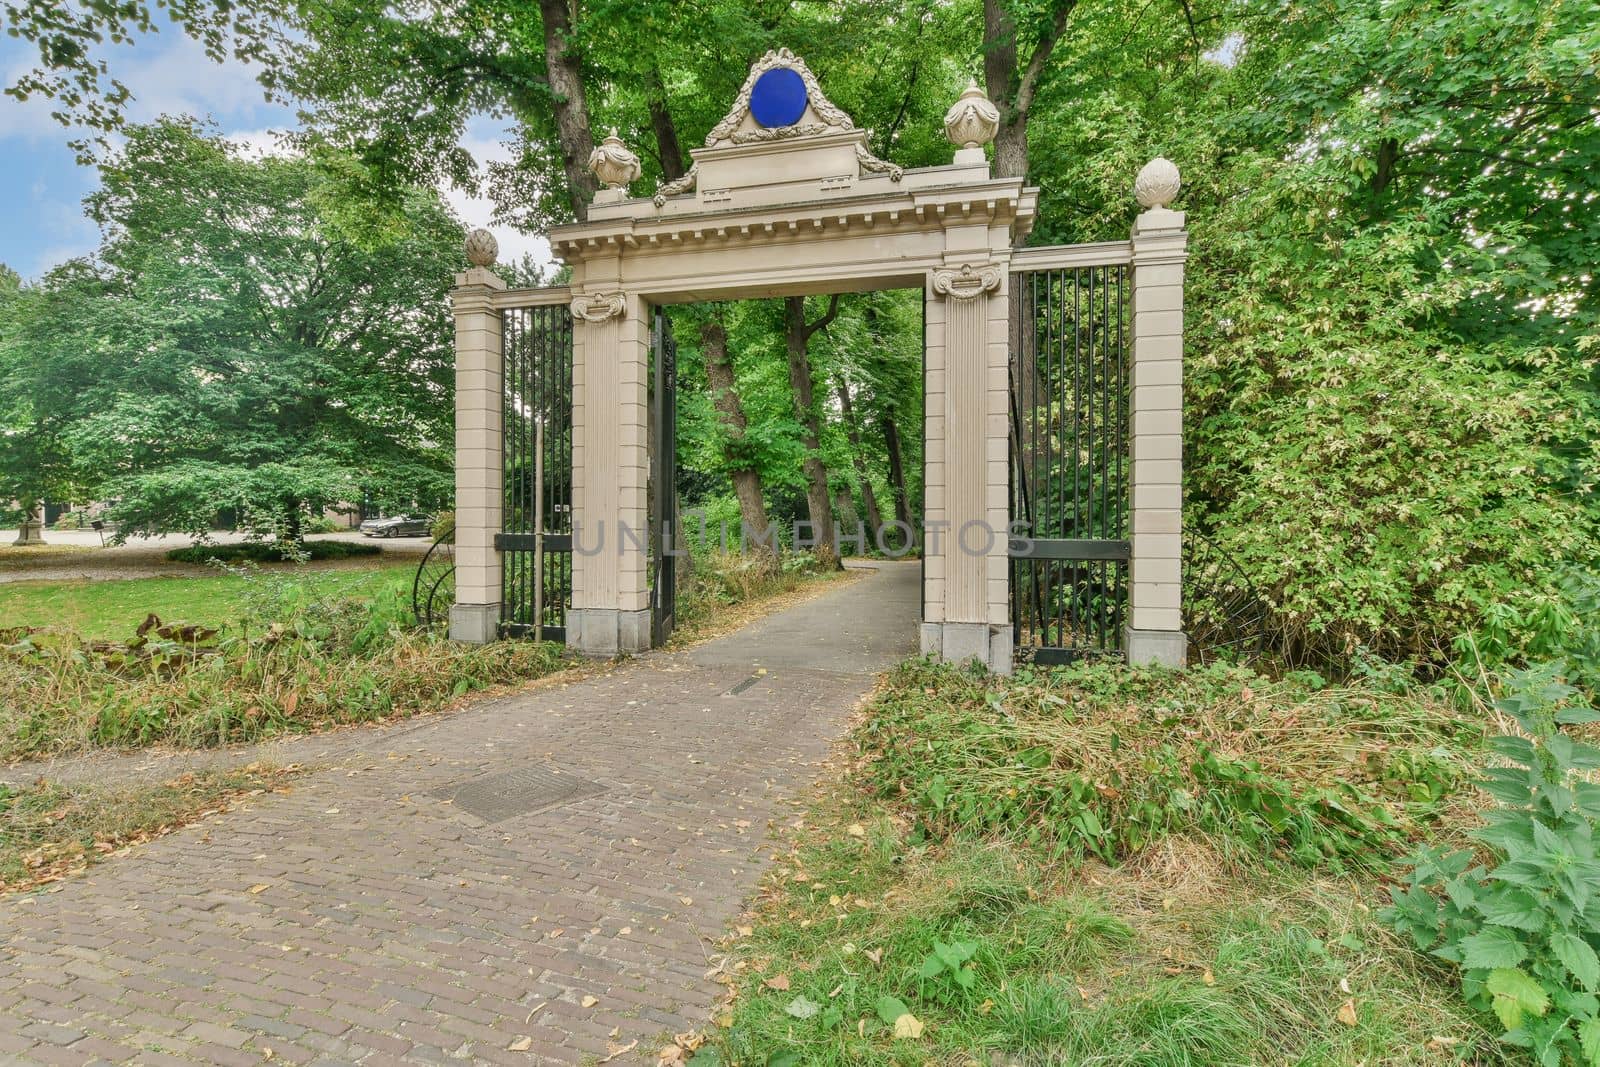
x: 433, y: 590
x: 1223, y: 613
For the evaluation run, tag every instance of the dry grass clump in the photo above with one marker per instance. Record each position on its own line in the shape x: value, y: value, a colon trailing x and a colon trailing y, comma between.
x: 49, y: 831
x: 1102, y: 760
x: 284, y: 666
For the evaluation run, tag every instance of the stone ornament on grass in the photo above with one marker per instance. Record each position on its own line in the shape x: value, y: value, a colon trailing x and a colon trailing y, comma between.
x: 482, y: 248
x: 972, y: 120
x: 613, y: 162
x: 1157, y: 184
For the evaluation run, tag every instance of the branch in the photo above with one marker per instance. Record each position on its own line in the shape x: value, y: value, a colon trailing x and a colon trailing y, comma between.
x: 1041, y: 55
x: 832, y: 313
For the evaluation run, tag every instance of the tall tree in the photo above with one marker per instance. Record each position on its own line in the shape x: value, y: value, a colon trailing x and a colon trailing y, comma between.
x: 1018, y: 41
x: 249, y: 355
x: 797, y: 340
x: 742, y: 470
x: 858, y: 455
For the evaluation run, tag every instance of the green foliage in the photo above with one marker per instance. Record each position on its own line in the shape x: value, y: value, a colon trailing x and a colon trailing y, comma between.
x: 1104, y: 761
x: 233, y: 354
x: 272, y: 552
x: 1523, y: 925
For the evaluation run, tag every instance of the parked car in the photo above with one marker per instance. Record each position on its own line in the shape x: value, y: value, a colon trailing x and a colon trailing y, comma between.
x: 398, y: 526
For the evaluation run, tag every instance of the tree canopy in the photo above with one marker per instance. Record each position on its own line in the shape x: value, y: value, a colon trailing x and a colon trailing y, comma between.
x: 1394, y: 404
x: 231, y: 348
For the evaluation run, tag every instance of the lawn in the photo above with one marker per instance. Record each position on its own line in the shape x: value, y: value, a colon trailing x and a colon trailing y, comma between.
x: 111, y: 610
x: 1101, y: 866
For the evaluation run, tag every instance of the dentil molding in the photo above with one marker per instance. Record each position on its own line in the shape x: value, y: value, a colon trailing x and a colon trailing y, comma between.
x: 967, y: 282
x: 597, y: 307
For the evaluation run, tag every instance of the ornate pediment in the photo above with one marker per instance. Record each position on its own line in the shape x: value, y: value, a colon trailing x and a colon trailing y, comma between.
x: 789, y: 91
x: 780, y: 104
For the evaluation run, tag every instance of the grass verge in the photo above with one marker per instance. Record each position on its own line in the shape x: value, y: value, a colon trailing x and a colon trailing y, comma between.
x: 111, y: 609
x: 49, y: 831
x: 897, y: 930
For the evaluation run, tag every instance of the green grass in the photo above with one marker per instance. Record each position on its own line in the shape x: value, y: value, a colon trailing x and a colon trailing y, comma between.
x: 110, y: 610
x: 1011, y: 938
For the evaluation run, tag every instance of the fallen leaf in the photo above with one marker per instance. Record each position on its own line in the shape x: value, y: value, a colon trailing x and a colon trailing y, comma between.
x: 589, y: 1002
x: 855, y: 829
x: 258, y: 889
x: 780, y: 982
x: 621, y: 1051
x: 908, y: 1026
x: 1347, y: 1012
x: 1208, y: 978
x: 521, y: 1044
x: 686, y: 901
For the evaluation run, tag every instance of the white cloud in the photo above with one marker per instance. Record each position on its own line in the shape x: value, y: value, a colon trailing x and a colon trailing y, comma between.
x: 485, y: 147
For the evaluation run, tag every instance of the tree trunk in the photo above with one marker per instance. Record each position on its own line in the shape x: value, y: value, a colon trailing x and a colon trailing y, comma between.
x: 668, y: 149
x: 1012, y: 89
x: 725, y: 396
x: 852, y: 429
x: 565, y: 71
x: 798, y: 336
x: 844, y: 508
x: 897, y: 471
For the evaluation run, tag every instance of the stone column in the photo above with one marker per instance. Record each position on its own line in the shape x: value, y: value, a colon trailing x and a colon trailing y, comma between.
x: 610, y: 611
x: 1155, y: 415
x: 480, y: 400
x: 965, y: 504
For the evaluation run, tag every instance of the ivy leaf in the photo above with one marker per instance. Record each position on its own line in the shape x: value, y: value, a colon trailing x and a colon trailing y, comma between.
x: 1495, y: 947
x: 1515, y: 908
x: 1589, y: 1038
x: 802, y: 1007
x: 891, y: 1008
x: 1578, y: 958
x: 1515, y: 994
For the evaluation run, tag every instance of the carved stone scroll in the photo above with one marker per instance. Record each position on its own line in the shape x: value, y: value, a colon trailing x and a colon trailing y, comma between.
x: 967, y: 281
x: 597, y: 307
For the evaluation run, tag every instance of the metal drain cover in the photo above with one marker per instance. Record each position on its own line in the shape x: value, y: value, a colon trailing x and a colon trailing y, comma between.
x: 520, y: 792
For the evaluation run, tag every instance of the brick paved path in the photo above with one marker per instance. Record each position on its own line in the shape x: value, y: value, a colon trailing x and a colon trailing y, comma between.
x: 359, y: 919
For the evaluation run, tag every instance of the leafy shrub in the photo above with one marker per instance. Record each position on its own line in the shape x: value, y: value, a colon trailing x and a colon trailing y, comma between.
x: 1523, y: 927
x: 444, y: 525
x: 322, y: 524
x: 272, y: 551
x: 1104, y: 760
x: 719, y: 580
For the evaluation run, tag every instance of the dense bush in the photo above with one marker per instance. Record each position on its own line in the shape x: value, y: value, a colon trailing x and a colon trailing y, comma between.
x: 1104, y: 760
x: 272, y: 551
x: 1523, y: 925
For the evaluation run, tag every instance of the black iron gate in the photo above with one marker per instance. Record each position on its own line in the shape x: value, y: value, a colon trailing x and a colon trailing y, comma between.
x: 663, y: 481
x: 536, y: 583
x: 1069, y: 462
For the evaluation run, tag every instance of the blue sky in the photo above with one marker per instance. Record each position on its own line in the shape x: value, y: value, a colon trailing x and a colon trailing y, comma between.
x: 42, y: 185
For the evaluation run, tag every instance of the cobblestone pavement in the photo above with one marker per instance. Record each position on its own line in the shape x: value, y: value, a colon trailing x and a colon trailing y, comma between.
x: 368, y: 916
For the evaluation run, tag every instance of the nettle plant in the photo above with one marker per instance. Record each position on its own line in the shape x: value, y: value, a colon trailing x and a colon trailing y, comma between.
x: 1523, y: 925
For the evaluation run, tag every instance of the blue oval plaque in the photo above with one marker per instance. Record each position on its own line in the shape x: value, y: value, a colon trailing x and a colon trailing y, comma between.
x: 778, y: 98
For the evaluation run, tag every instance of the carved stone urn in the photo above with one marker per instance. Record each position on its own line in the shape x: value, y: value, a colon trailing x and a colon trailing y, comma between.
x: 972, y: 120
x: 482, y: 249
x: 613, y: 162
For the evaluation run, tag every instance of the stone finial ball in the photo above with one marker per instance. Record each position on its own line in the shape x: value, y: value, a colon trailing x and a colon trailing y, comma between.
x: 1157, y: 184
x: 482, y: 248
